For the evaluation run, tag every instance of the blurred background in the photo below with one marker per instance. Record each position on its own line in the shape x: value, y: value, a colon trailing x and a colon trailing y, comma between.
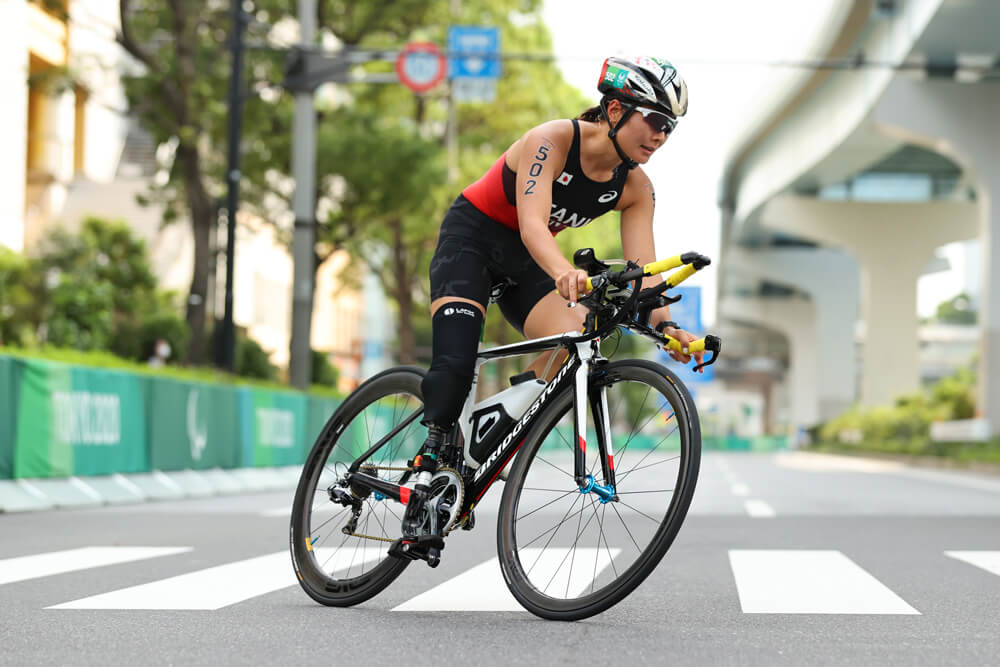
x: 838, y: 163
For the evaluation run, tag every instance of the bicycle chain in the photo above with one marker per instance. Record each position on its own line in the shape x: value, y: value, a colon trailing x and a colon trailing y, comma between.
x: 456, y: 525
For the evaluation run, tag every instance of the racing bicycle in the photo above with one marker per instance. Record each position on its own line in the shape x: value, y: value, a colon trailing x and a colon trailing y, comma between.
x: 589, y: 506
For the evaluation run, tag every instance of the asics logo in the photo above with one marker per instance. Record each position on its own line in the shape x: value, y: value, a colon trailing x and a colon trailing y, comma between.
x: 607, y: 196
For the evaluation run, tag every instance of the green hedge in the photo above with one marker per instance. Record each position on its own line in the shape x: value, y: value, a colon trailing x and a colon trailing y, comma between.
x: 904, y: 428
x: 106, y: 360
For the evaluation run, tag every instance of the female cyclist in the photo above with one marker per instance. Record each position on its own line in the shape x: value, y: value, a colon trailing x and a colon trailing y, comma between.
x: 497, y: 237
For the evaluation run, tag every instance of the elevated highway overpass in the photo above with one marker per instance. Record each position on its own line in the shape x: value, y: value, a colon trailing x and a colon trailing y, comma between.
x: 834, y: 209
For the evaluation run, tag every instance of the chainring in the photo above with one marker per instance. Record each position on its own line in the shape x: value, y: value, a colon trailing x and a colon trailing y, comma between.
x: 445, y: 499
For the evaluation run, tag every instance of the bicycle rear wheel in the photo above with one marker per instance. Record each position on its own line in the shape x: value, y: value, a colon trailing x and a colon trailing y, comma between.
x: 566, y: 555
x: 336, y: 568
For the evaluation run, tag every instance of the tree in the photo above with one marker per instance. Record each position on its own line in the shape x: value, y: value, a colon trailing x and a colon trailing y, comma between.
x: 93, y: 290
x: 350, y: 22
x: 957, y: 310
x: 180, y: 95
x: 19, y: 306
x: 392, y: 188
x: 529, y: 92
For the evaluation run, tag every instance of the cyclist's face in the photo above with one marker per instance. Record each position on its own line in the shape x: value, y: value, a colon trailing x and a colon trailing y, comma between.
x: 648, y: 130
x: 643, y: 133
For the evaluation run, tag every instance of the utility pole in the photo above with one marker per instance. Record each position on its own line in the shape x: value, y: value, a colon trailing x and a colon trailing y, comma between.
x: 226, y: 350
x: 451, y: 139
x: 304, y: 205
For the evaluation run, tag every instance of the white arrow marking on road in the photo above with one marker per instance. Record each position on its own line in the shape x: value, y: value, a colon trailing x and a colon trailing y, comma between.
x: 758, y: 509
x: 59, y: 562
x: 987, y: 560
x: 219, y: 586
x: 809, y: 582
x: 483, y: 589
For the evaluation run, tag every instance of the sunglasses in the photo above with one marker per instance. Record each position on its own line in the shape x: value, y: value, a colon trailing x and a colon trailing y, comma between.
x: 657, y: 121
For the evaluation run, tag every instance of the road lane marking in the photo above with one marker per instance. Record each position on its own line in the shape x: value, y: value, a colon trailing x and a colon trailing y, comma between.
x: 953, y: 479
x: 72, y: 560
x: 809, y: 582
x: 987, y: 560
x: 482, y: 588
x: 817, y: 462
x: 220, y: 586
x: 739, y: 489
x: 277, y: 511
x: 758, y: 509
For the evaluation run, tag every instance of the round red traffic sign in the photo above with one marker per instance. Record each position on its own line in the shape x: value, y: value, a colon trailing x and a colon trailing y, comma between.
x: 421, y: 66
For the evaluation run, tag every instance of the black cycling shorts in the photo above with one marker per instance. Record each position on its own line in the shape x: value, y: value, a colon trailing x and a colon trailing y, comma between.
x: 478, y: 258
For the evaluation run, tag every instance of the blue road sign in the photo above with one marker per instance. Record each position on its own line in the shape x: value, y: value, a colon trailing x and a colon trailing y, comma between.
x: 479, y: 48
x: 687, y: 311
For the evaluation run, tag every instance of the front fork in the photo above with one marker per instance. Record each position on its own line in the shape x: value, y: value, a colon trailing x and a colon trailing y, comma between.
x: 585, y: 391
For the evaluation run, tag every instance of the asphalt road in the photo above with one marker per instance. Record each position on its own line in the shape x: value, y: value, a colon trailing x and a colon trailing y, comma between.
x: 784, y: 559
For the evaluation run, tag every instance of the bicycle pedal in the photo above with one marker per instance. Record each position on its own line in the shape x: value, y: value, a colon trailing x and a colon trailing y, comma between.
x: 430, y: 541
x: 422, y: 547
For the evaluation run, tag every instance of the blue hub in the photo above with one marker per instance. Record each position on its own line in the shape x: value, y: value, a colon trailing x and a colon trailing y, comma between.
x: 603, y: 493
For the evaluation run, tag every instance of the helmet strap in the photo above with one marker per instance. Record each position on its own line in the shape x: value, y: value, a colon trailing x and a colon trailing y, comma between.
x: 613, y: 132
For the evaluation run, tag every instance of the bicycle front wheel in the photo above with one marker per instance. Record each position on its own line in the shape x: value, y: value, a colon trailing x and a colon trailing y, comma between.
x: 565, y: 554
x: 341, y: 559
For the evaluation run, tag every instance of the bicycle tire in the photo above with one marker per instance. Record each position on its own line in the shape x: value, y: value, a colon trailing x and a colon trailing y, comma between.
x: 527, y: 589
x: 365, y: 407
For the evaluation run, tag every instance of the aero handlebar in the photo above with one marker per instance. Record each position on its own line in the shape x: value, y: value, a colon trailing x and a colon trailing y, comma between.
x: 690, y: 263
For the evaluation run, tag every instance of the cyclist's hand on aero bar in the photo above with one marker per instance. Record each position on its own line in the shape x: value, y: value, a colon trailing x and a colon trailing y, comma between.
x: 571, y: 284
x: 684, y: 338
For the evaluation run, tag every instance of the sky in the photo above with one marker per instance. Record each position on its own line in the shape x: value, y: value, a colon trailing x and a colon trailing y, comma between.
x: 721, y: 48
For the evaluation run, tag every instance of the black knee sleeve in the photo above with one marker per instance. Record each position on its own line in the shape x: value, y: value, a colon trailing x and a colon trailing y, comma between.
x: 457, y: 327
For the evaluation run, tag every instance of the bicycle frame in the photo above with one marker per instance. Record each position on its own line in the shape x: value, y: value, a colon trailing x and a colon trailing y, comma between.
x: 583, y: 351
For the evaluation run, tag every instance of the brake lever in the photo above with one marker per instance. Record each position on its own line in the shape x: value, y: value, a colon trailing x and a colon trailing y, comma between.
x: 713, y: 344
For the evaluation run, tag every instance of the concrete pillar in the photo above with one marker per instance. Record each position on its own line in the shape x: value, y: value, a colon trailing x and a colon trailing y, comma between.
x: 963, y: 122
x: 14, y: 119
x: 796, y: 320
x: 892, y: 243
x: 831, y: 279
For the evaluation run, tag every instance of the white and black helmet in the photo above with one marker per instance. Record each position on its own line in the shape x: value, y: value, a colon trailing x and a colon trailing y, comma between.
x: 651, y: 83
x: 644, y: 81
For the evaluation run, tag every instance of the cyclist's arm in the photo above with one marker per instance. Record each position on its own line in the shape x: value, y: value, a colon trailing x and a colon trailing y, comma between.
x: 542, y: 155
x: 636, y: 206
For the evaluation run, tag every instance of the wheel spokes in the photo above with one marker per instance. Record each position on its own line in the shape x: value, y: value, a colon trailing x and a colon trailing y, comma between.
x: 562, y: 547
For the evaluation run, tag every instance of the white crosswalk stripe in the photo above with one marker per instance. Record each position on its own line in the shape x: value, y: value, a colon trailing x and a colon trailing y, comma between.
x: 482, y: 588
x: 217, y: 587
x: 213, y: 588
x: 767, y: 581
x: 72, y: 560
x: 222, y: 585
x: 987, y: 560
x: 809, y: 582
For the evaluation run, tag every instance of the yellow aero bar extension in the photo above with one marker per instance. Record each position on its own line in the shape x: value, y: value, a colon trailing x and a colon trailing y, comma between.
x: 691, y: 261
x: 663, y: 265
